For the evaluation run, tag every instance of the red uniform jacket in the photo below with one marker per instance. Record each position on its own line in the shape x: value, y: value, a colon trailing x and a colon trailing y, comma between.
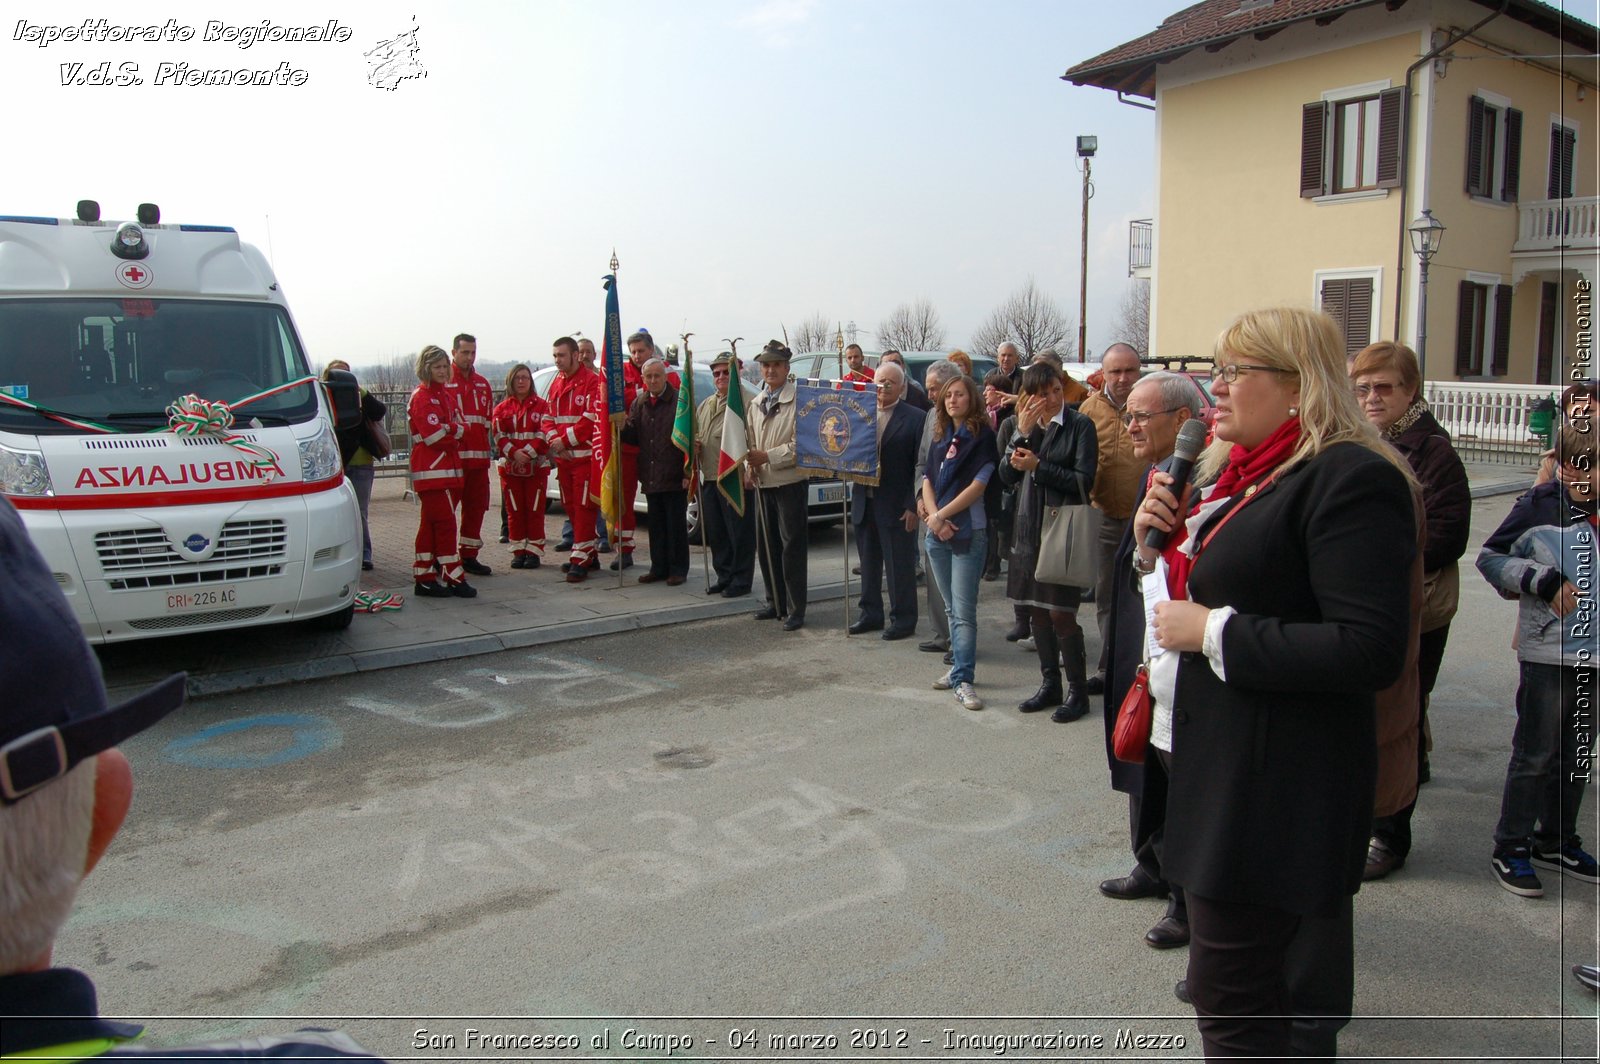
x: 476, y: 399
x: 436, y: 432
x: 575, y: 414
x: 519, y: 429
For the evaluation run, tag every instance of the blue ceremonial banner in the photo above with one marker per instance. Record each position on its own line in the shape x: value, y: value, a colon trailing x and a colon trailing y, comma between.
x: 836, y: 429
x: 614, y: 352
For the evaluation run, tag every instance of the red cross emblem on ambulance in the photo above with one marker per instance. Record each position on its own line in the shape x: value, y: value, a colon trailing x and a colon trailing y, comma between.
x: 135, y: 275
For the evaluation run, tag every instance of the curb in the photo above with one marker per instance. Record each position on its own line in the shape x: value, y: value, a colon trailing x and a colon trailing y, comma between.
x: 224, y: 683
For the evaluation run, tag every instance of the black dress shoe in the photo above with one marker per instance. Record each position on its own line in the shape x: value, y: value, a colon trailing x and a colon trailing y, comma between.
x: 475, y: 567
x: 1094, y: 685
x: 1380, y: 861
x: 1020, y: 630
x: 933, y: 646
x: 1138, y: 884
x: 891, y: 634
x: 716, y: 588
x: 621, y: 561
x: 793, y: 623
x: 768, y: 614
x: 564, y: 545
x: 1180, y: 990
x: 864, y: 625
x: 1169, y: 933
x: 735, y: 592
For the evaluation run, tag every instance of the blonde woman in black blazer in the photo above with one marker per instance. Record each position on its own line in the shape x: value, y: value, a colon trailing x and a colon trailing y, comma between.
x: 1292, y: 614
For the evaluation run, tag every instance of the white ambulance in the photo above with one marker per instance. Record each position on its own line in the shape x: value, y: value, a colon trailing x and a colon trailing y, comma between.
x: 125, y: 348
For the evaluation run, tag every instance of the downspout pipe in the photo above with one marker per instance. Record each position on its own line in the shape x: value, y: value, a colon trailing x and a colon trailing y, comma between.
x: 1405, y: 149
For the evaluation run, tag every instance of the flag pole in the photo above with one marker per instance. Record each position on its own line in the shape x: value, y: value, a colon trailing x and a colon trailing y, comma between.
x: 694, y: 435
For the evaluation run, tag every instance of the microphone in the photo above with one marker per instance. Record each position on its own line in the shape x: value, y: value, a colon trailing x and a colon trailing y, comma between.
x: 1191, y: 441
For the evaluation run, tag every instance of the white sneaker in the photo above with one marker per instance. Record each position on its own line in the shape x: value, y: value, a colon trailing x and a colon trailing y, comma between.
x: 968, y: 697
x: 944, y: 683
x: 1027, y: 643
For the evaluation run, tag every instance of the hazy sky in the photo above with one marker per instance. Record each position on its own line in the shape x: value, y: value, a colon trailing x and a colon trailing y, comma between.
x: 752, y: 161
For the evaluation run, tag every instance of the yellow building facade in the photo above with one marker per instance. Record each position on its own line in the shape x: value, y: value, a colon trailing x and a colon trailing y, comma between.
x: 1292, y: 155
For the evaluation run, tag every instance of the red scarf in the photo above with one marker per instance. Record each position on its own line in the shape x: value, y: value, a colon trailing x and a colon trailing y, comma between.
x: 1244, y: 467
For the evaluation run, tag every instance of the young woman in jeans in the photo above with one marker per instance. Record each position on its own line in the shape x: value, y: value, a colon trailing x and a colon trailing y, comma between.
x: 961, y: 460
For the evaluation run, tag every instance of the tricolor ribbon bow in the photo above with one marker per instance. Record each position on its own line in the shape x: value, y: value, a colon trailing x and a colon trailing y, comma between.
x: 194, y: 416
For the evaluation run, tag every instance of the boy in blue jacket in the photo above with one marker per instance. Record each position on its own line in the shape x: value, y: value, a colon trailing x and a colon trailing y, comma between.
x: 1544, y: 554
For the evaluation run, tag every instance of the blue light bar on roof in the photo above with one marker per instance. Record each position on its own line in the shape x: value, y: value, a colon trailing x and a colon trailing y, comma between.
x: 206, y: 229
x: 29, y: 219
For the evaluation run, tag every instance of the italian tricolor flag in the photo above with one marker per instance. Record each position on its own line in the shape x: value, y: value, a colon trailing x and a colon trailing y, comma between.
x: 730, y: 462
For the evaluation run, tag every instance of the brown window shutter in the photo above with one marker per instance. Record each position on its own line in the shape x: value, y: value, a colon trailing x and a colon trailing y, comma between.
x: 1501, y: 363
x: 1358, y: 315
x: 1563, y: 145
x: 1391, y: 124
x: 1513, y: 155
x: 1314, y: 149
x: 1464, y: 329
x: 1336, y: 301
x: 1474, y: 145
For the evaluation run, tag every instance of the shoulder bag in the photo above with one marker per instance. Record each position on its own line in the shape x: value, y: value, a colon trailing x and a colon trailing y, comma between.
x: 1132, y: 732
x: 1068, y: 538
x: 377, y: 442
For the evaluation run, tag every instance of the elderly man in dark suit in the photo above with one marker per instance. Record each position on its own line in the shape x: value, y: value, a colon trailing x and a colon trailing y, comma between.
x: 885, y: 516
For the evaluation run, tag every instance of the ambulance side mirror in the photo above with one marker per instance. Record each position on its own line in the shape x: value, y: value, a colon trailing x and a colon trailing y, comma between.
x: 345, y: 396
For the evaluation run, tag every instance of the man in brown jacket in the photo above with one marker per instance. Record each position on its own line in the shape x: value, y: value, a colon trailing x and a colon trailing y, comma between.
x: 661, y: 474
x: 1116, y: 479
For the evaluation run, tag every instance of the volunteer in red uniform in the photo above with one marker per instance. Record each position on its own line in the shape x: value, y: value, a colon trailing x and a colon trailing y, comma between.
x: 436, y: 433
x: 476, y: 399
x: 572, y: 422
x: 856, y: 359
x: 524, y: 469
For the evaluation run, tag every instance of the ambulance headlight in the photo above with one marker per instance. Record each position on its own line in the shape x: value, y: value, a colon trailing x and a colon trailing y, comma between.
x: 319, y: 456
x: 129, y: 242
x: 24, y: 473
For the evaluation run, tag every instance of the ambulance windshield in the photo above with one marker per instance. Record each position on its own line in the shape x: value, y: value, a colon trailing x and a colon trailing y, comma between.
x: 120, y: 361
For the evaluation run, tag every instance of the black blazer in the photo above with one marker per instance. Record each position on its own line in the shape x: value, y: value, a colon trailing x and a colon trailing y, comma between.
x: 1068, y: 454
x: 897, y: 462
x: 1270, y: 799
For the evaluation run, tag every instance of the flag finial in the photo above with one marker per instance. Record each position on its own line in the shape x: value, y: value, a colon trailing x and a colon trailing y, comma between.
x: 615, y: 265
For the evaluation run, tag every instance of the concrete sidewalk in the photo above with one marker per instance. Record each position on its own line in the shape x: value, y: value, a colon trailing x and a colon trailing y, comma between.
x: 514, y: 608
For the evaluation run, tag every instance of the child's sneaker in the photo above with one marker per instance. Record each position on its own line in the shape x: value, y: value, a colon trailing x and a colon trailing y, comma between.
x: 1516, y: 874
x: 944, y: 683
x: 1570, y: 860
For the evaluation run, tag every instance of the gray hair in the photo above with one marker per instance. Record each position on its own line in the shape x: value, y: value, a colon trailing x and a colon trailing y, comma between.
x: 899, y: 370
x: 1176, y: 390
x: 653, y: 362
x: 940, y: 373
x: 1015, y: 350
x: 44, y: 845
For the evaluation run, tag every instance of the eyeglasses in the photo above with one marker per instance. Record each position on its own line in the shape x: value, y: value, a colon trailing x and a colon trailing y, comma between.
x: 1230, y: 374
x: 719, y: 373
x: 1382, y: 391
x: 1143, y: 417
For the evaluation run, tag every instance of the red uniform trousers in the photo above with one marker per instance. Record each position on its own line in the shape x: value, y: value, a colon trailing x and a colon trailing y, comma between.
x: 574, y: 479
x: 474, y: 504
x: 523, y: 498
x: 436, y: 538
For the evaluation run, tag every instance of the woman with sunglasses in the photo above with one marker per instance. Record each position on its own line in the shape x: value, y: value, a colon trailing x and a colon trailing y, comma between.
x: 1289, y: 607
x: 1388, y: 386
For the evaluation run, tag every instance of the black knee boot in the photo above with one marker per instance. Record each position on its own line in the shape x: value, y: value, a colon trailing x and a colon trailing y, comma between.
x: 1048, y: 696
x: 1076, y: 702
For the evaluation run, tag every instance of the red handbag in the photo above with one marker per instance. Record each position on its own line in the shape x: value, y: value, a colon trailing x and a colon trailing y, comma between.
x: 1132, y: 733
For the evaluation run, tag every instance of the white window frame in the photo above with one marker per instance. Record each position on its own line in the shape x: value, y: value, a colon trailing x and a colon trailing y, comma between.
x: 1497, y: 165
x: 1577, y: 144
x: 1339, y: 95
x: 1373, y: 273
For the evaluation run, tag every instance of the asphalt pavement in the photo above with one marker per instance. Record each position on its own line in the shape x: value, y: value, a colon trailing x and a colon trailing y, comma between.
x: 514, y: 608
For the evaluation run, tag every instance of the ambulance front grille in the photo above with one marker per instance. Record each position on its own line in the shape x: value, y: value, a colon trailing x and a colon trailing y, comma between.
x: 190, y: 620
x: 144, y: 550
x: 193, y: 576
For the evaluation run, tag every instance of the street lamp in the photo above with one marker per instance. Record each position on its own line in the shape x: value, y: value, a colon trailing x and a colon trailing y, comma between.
x: 1086, y: 149
x: 1426, y: 233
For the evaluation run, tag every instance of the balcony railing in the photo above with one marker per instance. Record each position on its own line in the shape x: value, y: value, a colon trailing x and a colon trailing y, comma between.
x: 1489, y: 422
x: 1141, y: 232
x: 1550, y: 225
